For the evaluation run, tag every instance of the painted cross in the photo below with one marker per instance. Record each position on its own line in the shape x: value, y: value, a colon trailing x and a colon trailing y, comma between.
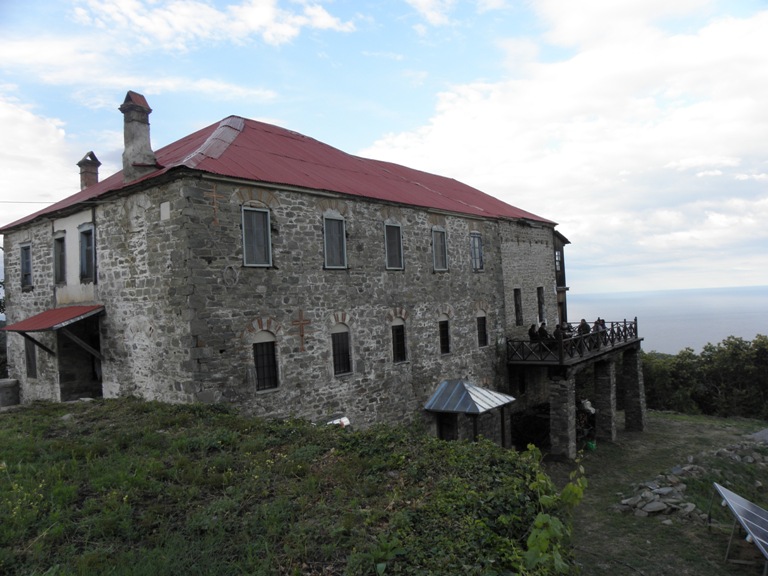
x: 300, y: 324
x: 213, y: 195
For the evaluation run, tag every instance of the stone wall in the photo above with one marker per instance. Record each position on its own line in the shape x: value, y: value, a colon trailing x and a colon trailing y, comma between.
x: 23, y: 303
x: 183, y: 313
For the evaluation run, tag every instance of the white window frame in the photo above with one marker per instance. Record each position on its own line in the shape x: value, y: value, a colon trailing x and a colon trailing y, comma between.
x: 87, y: 258
x: 327, y: 239
x: 248, y: 257
x: 399, y: 229
x: 439, y: 233
x: 59, y: 258
x: 25, y: 266
x: 476, y: 251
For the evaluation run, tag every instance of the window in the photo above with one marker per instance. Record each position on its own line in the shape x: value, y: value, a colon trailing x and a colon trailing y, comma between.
x: 335, y: 243
x: 445, y: 335
x: 257, y: 247
x: 342, y: 358
x: 439, y: 250
x: 26, y: 267
x: 558, y: 260
x: 540, y: 298
x: 476, y: 251
x: 394, y: 246
x: 518, y: 307
x: 30, y: 354
x: 59, y: 261
x: 398, y: 341
x: 265, y: 359
x: 87, y: 256
x: 482, y: 330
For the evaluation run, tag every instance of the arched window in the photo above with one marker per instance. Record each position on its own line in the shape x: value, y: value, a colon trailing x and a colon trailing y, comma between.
x: 482, y: 329
x: 443, y: 324
x: 265, y: 359
x: 399, y: 353
x: 342, y: 356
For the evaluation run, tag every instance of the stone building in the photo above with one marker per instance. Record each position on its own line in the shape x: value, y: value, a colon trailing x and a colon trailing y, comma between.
x: 249, y: 264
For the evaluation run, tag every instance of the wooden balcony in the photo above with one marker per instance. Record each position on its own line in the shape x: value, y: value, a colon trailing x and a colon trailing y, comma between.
x: 574, y: 349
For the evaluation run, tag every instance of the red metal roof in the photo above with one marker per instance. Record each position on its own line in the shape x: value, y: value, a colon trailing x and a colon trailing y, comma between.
x: 246, y: 149
x: 54, y: 318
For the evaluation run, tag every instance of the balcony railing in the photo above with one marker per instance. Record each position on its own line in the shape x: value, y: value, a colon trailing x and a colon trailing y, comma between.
x: 573, y: 349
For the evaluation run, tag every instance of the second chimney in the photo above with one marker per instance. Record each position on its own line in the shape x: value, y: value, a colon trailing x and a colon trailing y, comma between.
x: 138, y: 157
x: 89, y: 170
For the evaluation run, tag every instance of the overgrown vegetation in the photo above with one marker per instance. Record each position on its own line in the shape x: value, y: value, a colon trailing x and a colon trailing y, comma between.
x: 133, y: 487
x: 726, y: 379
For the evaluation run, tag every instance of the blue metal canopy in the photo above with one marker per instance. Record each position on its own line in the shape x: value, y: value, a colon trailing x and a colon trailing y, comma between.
x: 460, y: 396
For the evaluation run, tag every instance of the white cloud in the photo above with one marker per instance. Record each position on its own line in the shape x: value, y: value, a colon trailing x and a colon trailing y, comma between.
x: 435, y: 12
x: 34, y: 151
x: 615, y: 140
x: 181, y: 24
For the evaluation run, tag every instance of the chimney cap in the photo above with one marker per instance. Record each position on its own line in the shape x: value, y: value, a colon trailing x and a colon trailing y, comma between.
x: 135, y: 99
x: 89, y: 160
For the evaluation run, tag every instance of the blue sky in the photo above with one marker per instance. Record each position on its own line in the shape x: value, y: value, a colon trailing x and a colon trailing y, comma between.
x: 640, y: 126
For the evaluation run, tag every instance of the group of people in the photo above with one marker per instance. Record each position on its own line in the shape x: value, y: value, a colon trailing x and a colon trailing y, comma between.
x: 564, y: 330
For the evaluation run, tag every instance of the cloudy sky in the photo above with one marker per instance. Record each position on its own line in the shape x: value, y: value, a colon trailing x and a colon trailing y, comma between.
x: 640, y: 126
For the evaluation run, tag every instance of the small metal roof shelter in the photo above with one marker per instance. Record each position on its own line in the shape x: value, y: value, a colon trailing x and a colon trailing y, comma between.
x: 56, y: 319
x: 460, y: 396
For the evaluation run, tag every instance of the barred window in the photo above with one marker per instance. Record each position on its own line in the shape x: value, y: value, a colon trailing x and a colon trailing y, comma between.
x: 398, y: 341
x: 342, y: 356
x: 482, y: 330
x: 445, y: 335
x: 265, y: 360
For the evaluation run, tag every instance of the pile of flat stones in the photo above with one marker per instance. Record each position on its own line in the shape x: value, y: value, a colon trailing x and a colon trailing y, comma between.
x: 664, y: 496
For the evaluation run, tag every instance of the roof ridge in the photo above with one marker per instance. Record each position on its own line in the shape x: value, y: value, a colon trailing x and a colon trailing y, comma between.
x: 217, y: 143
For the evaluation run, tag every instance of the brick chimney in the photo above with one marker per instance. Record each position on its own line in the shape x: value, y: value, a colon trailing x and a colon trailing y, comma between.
x: 138, y: 158
x: 89, y: 170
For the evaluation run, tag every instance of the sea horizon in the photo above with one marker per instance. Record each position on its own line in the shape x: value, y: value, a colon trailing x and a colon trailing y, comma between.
x: 672, y: 320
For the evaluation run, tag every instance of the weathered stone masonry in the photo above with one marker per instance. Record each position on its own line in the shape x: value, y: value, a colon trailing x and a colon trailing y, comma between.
x: 183, y: 311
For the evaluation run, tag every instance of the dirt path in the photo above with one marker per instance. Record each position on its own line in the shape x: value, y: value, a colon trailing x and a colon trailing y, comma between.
x: 615, y: 544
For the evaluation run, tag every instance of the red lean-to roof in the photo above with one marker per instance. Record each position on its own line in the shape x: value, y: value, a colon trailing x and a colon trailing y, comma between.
x: 54, y: 318
x: 250, y: 150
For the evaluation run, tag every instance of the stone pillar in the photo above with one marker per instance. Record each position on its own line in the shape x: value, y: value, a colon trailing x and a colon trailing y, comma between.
x: 605, y: 400
x: 634, y: 400
x: 562, y: 416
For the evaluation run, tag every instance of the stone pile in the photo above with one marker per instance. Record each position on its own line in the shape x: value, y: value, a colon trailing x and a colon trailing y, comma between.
x: 665, y: 495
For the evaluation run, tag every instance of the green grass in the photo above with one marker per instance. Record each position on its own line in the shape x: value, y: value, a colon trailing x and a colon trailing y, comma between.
x: 127, y: 487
